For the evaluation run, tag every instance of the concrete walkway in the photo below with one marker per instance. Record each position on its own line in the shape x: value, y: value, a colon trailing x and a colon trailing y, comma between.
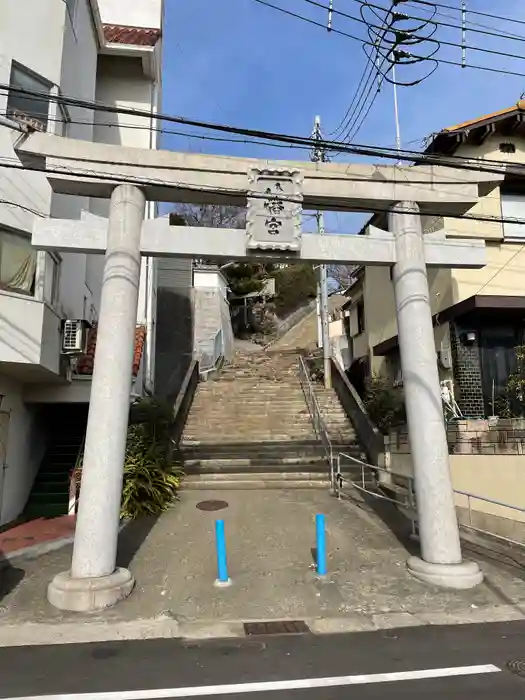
x: 302, y: 335
x: 270, y: 538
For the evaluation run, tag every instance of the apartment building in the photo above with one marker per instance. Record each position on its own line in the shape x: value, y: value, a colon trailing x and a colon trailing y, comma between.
x: 107, y: 51
x: 479, y: 315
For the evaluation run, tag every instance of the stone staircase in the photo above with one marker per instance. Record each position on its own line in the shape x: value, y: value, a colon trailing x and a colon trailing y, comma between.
x: 249, y: 427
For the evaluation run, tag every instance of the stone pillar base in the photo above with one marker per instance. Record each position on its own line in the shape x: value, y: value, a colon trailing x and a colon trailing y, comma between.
x: 89, y: 594
x: 459, y: 576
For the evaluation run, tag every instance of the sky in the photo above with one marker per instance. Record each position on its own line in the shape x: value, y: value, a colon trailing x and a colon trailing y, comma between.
x: 240, y: 63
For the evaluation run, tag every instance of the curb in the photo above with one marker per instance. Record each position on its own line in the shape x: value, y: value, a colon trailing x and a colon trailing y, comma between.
x: 88, y: 630
x: 37, y: 550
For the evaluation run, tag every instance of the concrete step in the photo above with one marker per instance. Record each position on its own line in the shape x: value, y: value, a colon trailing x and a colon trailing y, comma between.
x: 241, y: 436
x: 269, y: 451
x: 278, y: 470
x: 240, y: 484
x: 239, y: 462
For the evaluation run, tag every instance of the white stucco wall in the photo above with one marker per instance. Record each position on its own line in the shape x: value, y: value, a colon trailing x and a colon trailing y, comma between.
x: 42, y: 37
x: 25, y: 448
x: 23, y: 40
x: 210, y: 279
x: 80, y: 274
x: 135, y: 13
x: 121, y: 83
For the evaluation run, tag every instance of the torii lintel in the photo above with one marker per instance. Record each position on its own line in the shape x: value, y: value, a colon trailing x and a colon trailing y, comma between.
x: 159, y: 239
x: 92, y: 169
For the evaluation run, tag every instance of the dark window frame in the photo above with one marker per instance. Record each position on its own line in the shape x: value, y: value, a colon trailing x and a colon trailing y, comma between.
x: 19, y: 106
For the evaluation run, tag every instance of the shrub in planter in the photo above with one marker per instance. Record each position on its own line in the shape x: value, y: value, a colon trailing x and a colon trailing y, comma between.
x: 151, y: 483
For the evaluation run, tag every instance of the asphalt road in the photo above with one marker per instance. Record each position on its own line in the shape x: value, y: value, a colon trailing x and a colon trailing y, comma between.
x: 415, y: 661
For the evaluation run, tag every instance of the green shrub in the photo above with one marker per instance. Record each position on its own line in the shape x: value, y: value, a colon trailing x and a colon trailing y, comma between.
x: 151, y: 481
x: 385, y: 404
x: 315, y: 366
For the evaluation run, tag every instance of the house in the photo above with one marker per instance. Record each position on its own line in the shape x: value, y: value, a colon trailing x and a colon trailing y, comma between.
x: 108, y: 51
x: 478, y: 315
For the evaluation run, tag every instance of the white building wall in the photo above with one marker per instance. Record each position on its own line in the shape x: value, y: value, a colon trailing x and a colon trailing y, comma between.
x: 132, y: 13
x: 81, y: 275
x: 121, y: 83
x: 23, y: 40
x: 42, y: 37
x: 23, y: 451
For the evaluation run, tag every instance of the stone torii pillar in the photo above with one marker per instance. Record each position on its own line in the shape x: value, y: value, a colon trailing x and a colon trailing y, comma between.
x: 441, y: 561
x: 273, y: 233
x: 93, y: 583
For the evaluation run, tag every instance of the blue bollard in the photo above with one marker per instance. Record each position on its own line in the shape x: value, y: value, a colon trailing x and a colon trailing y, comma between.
x: 222, y: 565
x: 320, y: 536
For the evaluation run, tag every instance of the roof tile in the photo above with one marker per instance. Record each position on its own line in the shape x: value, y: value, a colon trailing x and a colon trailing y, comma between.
x: 85, y: 362
x: 132, y: 36
x: 518, y: 107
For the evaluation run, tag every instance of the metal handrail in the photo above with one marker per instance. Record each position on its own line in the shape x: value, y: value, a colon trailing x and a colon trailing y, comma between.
x: 216, y: 354
x: 74, y: 485
x: 411, y: 496
x: 317, y: 418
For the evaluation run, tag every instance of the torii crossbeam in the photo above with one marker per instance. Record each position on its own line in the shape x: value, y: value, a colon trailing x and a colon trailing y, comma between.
x: 275, y: 193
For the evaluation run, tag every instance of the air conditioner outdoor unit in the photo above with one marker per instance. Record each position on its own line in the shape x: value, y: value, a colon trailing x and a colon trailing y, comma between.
x: 74, y: 336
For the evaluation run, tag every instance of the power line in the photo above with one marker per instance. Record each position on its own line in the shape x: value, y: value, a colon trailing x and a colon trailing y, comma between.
x: 333, y: 30
x: 353, y: 130
x: 29, y: 210
x: 11, y: 163
x: 461, y: 162
x: 368, y: 69
x: 484, y: 31
x: 440, y: 41
x: 169, y: 132
x: 477, y: 12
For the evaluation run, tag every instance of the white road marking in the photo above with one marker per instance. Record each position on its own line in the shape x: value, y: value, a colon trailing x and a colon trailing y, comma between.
x: 269, y: 686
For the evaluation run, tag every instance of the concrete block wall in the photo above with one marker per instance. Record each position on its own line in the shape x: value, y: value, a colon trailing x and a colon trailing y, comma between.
x: 211, y: 314
x: 478, y: 437
x: 472, y: 437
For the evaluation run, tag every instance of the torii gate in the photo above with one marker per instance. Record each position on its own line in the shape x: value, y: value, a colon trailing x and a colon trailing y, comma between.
x: 274, y: 192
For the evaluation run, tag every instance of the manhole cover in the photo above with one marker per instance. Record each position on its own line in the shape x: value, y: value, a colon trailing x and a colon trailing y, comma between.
x: 517, y: 667
x: 277, y: 627
x: 212, y: 505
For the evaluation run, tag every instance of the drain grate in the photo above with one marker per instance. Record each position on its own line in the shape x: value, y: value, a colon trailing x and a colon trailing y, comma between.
x: 517, y: 667
x: 212, y: 505
x: 276, y: 627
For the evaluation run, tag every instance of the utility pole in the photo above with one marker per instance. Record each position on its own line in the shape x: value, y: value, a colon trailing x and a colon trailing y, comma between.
x: 318, y: 155
x: 396, y: 114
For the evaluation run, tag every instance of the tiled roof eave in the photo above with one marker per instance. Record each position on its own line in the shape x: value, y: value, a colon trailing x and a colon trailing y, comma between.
x: 131, y: 36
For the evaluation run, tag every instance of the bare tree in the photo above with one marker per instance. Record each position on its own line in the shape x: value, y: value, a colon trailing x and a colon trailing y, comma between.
x: 212, y: 215
x: 341, y: 276
x: 243, y: 277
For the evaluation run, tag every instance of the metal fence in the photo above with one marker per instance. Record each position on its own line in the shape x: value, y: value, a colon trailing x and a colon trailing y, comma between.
x: 372, y: 477
x: 406, y: 496
x: 317, y: 418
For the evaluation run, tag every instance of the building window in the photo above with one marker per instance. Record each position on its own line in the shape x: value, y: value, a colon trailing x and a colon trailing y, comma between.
x: 28, y: 109
x: 361, y: 317
x: 513, y: 207
x: 17, y: 263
